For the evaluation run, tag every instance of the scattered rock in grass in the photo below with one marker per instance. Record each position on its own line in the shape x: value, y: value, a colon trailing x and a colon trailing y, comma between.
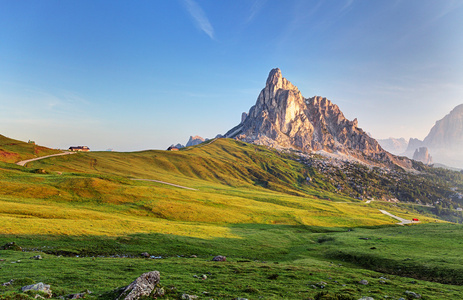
x: 364, y: 238
x: 366, y: 298
x: 321, y: 284
x: 363, y: 281
x: 78, y: 295
x: 142, y: 286
x: 219, y: 258
x: 37, y: 257
x: 195, y: 276
x: 145, y: 254
x: 39, y: 287
x: 11, y: 246
x: 189, y: 297
x: 193, y: 256
x: 8, y: 283
x: 413, y: 294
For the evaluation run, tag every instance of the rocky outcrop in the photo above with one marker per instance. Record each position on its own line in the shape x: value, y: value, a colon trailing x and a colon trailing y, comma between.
x: 142, y: 286
x: 194, y: 140
x: 422, y: 154
x: 283, y: 118
x: 413, y: 144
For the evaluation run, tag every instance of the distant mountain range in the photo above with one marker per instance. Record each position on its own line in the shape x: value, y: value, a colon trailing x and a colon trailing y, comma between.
x: 444, y: 142
x: 282, y: 118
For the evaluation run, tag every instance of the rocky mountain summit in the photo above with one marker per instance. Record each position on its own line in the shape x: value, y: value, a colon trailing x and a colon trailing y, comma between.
x: 283, y: 118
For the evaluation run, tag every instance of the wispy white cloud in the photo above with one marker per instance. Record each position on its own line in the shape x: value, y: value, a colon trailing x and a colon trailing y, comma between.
x: 199, y: 17
x: 255, y: 8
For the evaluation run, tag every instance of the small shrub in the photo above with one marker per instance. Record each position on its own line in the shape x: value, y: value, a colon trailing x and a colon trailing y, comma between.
x: 324, y: 239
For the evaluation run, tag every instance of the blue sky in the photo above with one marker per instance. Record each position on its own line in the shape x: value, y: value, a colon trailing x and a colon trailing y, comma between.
x: 134, y: 75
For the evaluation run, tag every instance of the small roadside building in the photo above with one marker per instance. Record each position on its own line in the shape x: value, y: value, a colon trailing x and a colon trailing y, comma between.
x: 79, y: 148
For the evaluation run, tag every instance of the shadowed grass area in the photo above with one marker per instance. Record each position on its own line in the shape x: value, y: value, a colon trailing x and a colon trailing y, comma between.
x: 269, y: 261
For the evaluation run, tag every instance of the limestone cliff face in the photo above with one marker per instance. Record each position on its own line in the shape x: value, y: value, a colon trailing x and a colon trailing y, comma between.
x: 282, y: 117
x: 422, y: 154
x: 447, y: 132
x: 445, y: 140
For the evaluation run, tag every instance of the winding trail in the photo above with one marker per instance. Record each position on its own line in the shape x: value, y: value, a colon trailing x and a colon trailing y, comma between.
x: 23, y: 162
x: 402, y: 220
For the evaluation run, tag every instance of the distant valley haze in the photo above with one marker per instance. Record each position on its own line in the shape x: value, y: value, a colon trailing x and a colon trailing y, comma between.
x: 144, y: 75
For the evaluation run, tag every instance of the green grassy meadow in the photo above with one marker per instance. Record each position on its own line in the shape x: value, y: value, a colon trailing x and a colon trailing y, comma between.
x: 282, y: 235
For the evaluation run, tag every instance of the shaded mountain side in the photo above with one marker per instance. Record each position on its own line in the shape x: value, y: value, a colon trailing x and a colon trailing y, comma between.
x: 283, y: 118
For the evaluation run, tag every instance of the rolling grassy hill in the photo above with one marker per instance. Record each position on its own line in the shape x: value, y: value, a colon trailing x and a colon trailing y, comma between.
x: 12, y: 151
x: 251, y: 203
x: 236, y: 183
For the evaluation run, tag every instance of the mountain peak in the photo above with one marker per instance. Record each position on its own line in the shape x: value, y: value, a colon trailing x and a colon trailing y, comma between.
x: 276, y: 81
x: 283, y: 118
x: 274, y: 76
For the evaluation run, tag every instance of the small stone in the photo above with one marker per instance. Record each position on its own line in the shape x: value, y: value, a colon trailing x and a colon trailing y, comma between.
x: 189, y: 297
x: 193, y: 256
x: 8, y: 283
x: 145, y: 254
x: 195, y: 276
x: 366, y: 298
x: 219, y: 258
x: 413, y: 294
x: 363, y: 281
x: 37, y: 257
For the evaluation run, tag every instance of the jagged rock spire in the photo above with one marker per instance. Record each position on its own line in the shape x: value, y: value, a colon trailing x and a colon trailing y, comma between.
x: 282, y: 117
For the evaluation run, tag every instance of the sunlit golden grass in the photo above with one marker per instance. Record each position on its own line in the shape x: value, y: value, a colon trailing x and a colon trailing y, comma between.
x: 92, y: 194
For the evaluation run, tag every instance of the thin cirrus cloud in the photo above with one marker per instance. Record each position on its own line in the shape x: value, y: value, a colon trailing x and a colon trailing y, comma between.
x: 199, y: 17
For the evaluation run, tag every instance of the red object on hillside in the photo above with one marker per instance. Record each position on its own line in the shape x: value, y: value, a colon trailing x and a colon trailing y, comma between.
x: 415, y: 220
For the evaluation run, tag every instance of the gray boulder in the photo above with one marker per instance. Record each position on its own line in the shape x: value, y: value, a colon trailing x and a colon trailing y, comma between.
x: 220, y: 258
x: 39, y: 287
x: 142, y: 286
